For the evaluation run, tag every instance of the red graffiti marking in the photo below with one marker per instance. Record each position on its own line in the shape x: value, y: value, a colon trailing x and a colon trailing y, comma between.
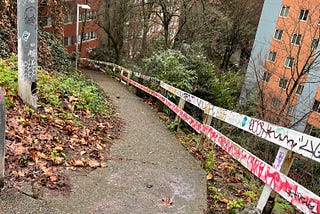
x: 182, y: 114
x: 297, y: 195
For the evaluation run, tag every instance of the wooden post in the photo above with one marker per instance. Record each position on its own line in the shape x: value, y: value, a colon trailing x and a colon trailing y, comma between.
x: 160, y: 104
x: 177, y: 119
x: 2, y: 137
x: 283, y: 162
x: 129, y: 77
x: 207, y: 119
x: 27, y: 18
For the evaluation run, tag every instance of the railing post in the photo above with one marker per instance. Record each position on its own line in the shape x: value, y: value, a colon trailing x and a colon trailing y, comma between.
x: 129, y: 77
x: 2, y: 137
x: 177, y: 119
x: 283, y: 162
x: 160, y: 104
x: 207, y: 119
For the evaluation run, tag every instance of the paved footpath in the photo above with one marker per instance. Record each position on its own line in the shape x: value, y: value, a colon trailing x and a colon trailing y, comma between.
x: 148, y: 165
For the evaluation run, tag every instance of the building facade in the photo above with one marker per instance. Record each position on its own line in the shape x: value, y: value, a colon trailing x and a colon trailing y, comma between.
x: 88, y: 33
x: 283, y: 71
x: 145, y: 23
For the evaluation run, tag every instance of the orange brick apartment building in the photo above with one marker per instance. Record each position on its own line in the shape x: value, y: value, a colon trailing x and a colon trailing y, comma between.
x: 88, y: 29
x: 93, y: 36
x: 284, y: 68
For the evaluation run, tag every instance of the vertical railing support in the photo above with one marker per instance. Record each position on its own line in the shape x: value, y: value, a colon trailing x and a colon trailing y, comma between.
x: 129, y: 75
x: 283, y: 162
x: 2, y: 137
x: 207, y: 119
x: 177, y: 119
x: 160, y: 105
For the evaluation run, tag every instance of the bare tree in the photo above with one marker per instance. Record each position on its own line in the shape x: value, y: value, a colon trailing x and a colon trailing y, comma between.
x: 289, y: 65
x: 222, y: 28
x: 287, y: 76
x: 112, y: 21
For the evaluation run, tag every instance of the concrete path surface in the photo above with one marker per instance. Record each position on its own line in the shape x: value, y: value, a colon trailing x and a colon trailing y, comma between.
x: 148, y: 165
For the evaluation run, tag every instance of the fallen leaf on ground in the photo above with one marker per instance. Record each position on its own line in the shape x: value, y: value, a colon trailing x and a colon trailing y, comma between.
x: 209, y: 177
x: 94, y: 164
x: 224, y: 200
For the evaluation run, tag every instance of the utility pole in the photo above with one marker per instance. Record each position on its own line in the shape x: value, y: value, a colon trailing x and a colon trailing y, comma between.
x: 2, y: 137
x: 27, y: 50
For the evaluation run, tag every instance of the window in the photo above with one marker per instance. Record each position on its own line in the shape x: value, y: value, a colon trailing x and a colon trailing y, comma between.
x: 278, y: 34
x: 47, y: 22
x: 275, y: 103
x: 89, y: 36
x: 288, y: 62
x: 92, y: 15
x: 295, y: 39
x: 266, y: 76
x: 67, y: 41
x: 299, y: 89
x: 312, y: 130
x: 272, y: 56
x: 284, y: 11
x: 303, y: 14
x: 88, y: 15
x: 316, y: 106
x: 290, y: 110
x: 93, y: 35
x: 306, y: 67
x: 283, y: 82
x: 314, y: 43
x: 68, y: 18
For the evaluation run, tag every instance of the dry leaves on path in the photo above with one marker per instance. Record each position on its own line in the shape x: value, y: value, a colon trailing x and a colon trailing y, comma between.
x: 41, y: 144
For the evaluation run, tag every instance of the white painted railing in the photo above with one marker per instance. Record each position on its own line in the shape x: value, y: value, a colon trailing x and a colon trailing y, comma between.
x: 288, y: 140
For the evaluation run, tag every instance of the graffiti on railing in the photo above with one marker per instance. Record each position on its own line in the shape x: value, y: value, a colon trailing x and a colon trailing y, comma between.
x: 298, y: 142
x: 306, y: 145
x: 296, y: 194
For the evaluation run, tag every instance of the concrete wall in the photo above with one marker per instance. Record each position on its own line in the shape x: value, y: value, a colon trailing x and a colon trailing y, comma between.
x: 265, y: 31
x: 306, y: 99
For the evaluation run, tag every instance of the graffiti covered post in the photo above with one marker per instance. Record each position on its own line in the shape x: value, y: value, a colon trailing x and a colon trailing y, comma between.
x: 2, y: 136
x: 27, y: 50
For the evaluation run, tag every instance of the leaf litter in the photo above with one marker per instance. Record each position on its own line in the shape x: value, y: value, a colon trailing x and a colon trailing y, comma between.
x: 42, y: 144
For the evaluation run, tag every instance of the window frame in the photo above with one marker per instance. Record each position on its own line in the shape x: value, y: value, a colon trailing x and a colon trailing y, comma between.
x: 288, y: 63
x: 278, y: 34
x: 316, y: 106
x: 272, y: 56
x: 67, y: 41
x: 48, y: 21
x: 284, y: 12
x: 68, y: 19
x: 314, y: 44
x: 303, y: 15
x: 312, y: 130
x: 266, y: 76
x: 296, y: 39
x: 283, y: 82
x: 275, y: 103
x: 299, y: 89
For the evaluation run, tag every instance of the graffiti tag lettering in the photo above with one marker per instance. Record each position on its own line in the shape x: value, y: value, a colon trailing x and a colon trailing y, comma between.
x: 258, y: 128
x: 30, y: 16
x: 311, y: 147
